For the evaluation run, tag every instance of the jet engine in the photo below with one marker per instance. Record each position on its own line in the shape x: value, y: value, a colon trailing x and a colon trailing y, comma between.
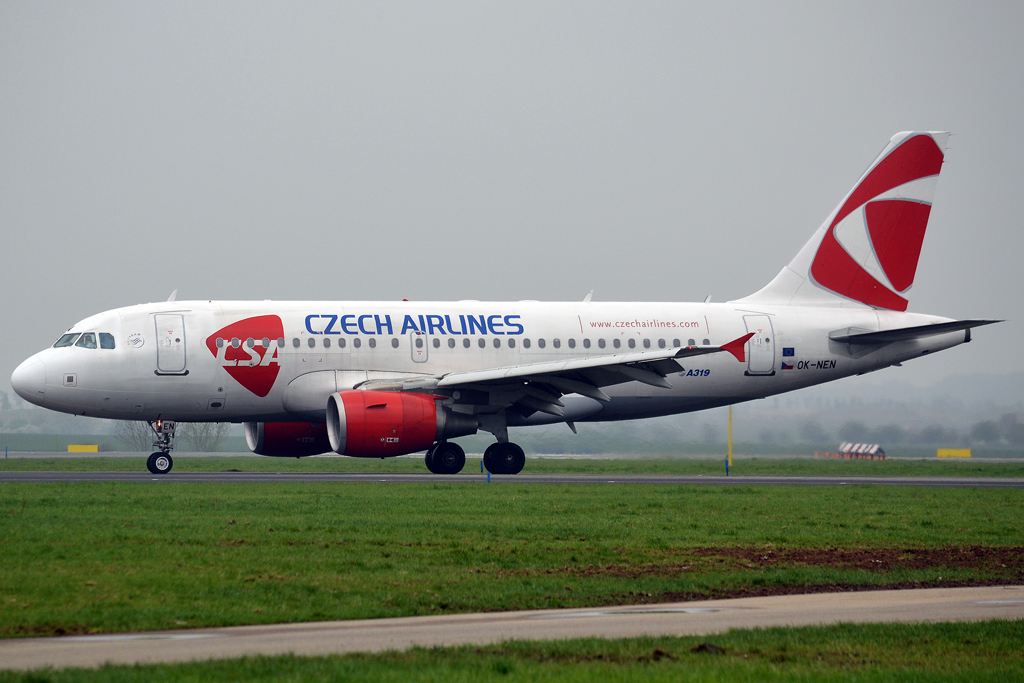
x: 381, y: 424
x: 287, y: 439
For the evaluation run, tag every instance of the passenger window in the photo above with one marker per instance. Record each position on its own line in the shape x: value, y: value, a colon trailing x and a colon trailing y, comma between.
x: 66, y: 340
x: 675, y: 343
x: 540, y: 343
x: 572, y: 343
x: 451, y: 343
x: 357, y: 342
x: 327, y: 342
x: 394, y: 343
x: 707, y: 342
x: 600, y: 343
x: 372, y: 343
x: 107, y: 340
x: 341, y: 343
x: 465, y: 343
x: 661, y: 343
x: 586, y: 343
x: 88, y: 341
x: 482, y: 342
x: 526, y: 343
x: 220, y: 343
x: 497, y: 343
x: 631, y: 343
x: 647, y: 343
x: 616, y: 343
x: 250, y: 342
x: 280, y: 342
x: 557, y: 343
x: 311, y: 342
x: 690, y: 342
x: 295, y: 342
x: 437, y: 343
x: 266, y: 342
x: 419, y: 342
x: 235, y: 343
x: 512, y: 343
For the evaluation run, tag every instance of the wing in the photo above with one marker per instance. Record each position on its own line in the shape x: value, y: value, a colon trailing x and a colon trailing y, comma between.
x: 540, y: 386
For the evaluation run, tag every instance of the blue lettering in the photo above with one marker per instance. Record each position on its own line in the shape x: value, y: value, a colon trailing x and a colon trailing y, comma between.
x: 381, y: 324
x: 508, y: 321
x: 451, y: 328
x: 409, y: 324
x: 493, y: 325
x: 431, y: 325
x: 361, y: 328
x: 348, y: 324
x: 473, y: 323
x: 423, y: 325
x: 310, y: 329
x: 330, y: 325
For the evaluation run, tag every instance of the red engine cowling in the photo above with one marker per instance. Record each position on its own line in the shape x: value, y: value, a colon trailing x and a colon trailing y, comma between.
x: 381, y: 424
x: 287, y: 439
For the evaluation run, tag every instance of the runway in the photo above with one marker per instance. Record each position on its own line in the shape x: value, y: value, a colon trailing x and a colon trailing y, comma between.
x: 370, y: 635
x: 474, y: 478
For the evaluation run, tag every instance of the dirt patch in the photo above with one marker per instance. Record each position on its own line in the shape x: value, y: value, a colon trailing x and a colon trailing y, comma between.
x: 761, y: 591
x: 1000, y: 560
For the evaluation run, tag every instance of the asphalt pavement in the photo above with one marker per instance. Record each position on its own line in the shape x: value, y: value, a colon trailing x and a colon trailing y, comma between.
x: 705, y: 617
x: 475, y: 478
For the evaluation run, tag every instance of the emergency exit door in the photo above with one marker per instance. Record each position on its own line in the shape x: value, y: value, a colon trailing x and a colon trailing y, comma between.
x: 170, y: 344
x: 761, y: 347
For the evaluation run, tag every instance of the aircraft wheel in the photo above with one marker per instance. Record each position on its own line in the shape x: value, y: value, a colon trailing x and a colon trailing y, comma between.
x: 428, y: 459
x: 504, y: 458
x: 160, y: 463
x: 448, y: 458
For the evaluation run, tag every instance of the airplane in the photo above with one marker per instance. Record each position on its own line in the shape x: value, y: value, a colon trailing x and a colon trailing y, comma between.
x: 376, y: 379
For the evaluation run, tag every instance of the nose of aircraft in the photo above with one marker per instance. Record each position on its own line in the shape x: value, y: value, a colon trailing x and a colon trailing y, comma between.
x: 29, y: 380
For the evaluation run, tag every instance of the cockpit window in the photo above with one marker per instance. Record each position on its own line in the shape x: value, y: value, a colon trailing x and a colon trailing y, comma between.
x: 88, y: 341
x: 106, y: 340
x: 66, y: 340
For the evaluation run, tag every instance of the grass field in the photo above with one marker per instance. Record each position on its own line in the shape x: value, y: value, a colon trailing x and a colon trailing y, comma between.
x: 777, y: 466
x: 101, y: 557
x: 986, y: 651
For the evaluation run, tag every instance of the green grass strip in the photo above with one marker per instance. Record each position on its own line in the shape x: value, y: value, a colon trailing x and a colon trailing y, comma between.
x: 974, y: 652
x: 103, y: 557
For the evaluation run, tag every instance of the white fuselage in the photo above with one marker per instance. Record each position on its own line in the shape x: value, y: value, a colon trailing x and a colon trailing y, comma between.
x: 177, y: 360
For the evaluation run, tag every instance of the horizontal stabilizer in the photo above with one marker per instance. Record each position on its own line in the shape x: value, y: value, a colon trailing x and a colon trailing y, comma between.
x: 848, y: 336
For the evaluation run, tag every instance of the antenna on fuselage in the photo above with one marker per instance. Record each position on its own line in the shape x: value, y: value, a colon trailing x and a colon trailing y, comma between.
x: 586, y: 299
x: 173, y: 295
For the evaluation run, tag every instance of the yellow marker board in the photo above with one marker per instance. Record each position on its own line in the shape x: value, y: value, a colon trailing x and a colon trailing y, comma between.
x: 79, y: 448
x: 954, y: 452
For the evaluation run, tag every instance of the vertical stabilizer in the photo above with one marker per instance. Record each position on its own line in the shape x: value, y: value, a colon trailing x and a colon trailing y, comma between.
x: 866, y: 252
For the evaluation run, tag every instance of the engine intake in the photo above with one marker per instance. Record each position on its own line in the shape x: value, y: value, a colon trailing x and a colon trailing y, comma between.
x: 381, y: 424
x: 287, y: 439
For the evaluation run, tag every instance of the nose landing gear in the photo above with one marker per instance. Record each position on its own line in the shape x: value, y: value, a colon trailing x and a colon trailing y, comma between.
x: 161, y: 461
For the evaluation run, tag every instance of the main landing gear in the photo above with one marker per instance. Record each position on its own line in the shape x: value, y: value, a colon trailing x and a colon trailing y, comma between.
x: 504, y: 458
x: 445, y: 457
x: 161, y: 461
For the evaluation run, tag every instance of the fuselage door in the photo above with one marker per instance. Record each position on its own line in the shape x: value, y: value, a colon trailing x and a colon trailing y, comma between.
x: 418, y: 344
x: 170, y: 344
x: 761, y: 355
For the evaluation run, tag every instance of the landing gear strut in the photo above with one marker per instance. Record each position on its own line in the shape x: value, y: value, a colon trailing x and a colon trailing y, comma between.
x: 445, y: 457
x: 161, y: 461
x: 504, y: 458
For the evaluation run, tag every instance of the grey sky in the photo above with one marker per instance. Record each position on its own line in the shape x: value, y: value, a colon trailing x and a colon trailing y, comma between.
x: 649, y: 151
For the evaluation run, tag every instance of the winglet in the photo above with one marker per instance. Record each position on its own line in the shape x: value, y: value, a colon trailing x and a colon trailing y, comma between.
x: 735, y: 347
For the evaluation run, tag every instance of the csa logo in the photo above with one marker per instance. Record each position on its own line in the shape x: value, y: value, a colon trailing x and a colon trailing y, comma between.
x: 254, y: 367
